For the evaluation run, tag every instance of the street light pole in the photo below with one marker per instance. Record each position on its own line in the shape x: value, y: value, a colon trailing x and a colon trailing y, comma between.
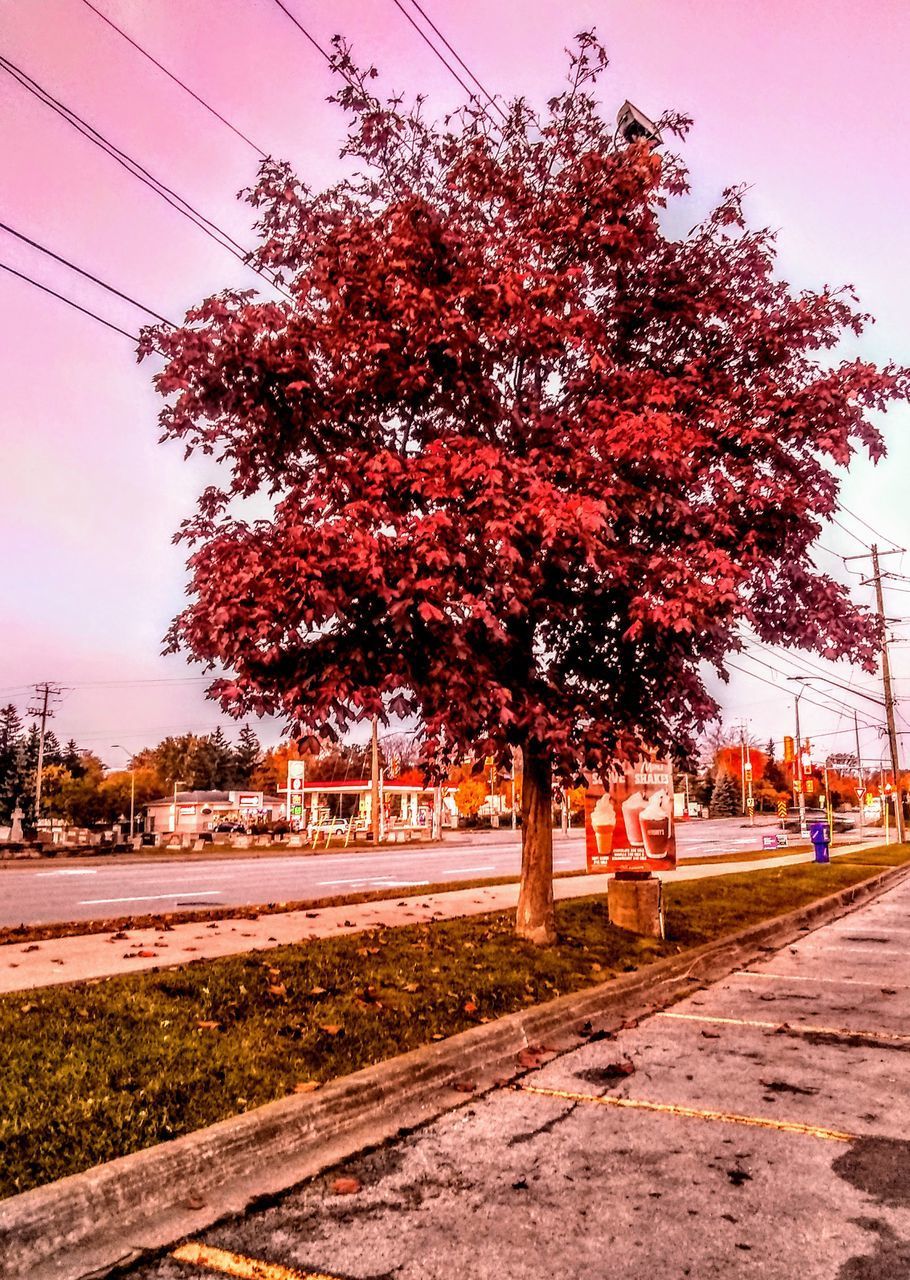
x: 801, y: 794
x: 132, y: 787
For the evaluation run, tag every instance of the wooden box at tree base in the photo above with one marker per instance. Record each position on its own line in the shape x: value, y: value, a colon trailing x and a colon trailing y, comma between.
x: 634, y: 904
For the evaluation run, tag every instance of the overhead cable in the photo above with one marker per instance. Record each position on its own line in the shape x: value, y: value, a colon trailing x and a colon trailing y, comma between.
x: 470, y: 92
x: 69, y: 302
x: 87, y: 274
x: 166, y: 193
x: 176, y: 79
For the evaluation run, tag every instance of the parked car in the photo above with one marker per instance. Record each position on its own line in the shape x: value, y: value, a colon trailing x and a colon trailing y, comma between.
x: 228, y: 827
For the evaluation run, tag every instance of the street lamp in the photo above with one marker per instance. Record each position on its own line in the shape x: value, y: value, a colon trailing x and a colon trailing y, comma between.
x: 798, y: 763
x: 129, y: 754
x: 178, y: 782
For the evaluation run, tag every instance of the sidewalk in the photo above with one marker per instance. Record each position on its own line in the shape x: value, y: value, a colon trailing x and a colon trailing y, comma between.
x: 756, y: 1129
x: 24, y: 966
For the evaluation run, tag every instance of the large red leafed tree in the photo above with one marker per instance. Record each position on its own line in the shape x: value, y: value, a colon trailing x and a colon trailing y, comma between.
x: 530, y: 460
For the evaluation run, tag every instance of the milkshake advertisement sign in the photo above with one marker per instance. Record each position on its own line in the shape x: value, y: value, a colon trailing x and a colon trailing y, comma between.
x: 629, y: 820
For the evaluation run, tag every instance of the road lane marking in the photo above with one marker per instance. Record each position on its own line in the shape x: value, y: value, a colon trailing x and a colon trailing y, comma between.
x: 235, y: 1264
x: 151, y: 897
x: 457, y: 871
x: 797, y: 1029
x: 872, y: 951
x: 79, y: 871
x: 808, y: 977
x: 694, y: 1113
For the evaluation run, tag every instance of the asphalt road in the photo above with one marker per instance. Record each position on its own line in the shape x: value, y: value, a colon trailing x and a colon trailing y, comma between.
x: 754, y: 1131
x: 43, y: 893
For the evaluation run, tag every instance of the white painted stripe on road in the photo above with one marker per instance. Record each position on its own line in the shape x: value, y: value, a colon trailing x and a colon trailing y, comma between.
x: 152, y: 897
x: 80, y: 871
x: 792, y: 1028
x: 872, y: 951
x: 457, y: 871
x: 808, y: 977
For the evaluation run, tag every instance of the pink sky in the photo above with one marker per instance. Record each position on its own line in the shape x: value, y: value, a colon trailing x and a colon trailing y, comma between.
x: 805, y: 100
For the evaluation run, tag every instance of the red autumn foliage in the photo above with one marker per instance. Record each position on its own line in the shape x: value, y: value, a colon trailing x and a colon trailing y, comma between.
x: 532, y: 460
x: 729, y: 760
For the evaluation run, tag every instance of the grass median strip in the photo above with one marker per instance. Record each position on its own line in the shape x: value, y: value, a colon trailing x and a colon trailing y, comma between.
x: 101, y: 1069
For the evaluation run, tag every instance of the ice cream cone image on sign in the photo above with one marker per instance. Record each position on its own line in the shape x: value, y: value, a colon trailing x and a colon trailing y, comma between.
x: 656, y: 822
x: 603, y: 821
x: 631, y: 812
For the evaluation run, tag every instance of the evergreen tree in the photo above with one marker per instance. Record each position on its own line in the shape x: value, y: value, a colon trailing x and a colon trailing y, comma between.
x: 53, y: 753
x: 246, y: 757
x: 12, y: 761
x: 73, y: 761
x: 213, y: 762
x: 769, y: 751
x: 725, y: 800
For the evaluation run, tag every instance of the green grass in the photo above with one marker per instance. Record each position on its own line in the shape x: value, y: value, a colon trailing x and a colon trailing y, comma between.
x: 101, y: 1069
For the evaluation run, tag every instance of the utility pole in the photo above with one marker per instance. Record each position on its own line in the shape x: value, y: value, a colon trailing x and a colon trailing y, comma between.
x: 889, y: 699
x: 44, y: 692
x: 860, y: 781
x: 798, y: 771
x: 374, y: 782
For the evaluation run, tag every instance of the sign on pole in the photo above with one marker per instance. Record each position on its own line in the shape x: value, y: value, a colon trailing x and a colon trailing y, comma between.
x: 295, y: 793
x: 629, y: 820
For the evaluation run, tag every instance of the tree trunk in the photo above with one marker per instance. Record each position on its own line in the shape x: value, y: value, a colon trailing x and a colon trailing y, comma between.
x: 536, y: 918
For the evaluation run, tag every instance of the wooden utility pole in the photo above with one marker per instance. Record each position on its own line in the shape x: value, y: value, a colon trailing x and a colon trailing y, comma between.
x: 860, y: 781
x: 45, y: 692
x: 889, y: 698
x: 374, y: 783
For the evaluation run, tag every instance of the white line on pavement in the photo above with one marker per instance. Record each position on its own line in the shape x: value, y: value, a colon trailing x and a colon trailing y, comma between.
x: 807, y: 977
x: 152, y: 897
x: 80, y: 871
x: 457, y: 871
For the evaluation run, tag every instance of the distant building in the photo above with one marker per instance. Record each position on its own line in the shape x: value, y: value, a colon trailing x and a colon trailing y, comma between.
x: 191, y: 812
x: 404, y: 805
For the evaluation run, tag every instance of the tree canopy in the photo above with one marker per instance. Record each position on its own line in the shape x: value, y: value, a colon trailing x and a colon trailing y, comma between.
x: 532, y: 459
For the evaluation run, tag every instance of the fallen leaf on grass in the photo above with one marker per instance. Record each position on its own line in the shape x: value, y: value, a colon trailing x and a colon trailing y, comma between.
x: 346, y: 1186
x: 27, y: 1008
x: 331, y: 1028
x: 208, y: 1025
x: 470, y: 1006
x: 317, y: 991
x: 278, y: 989
x: 307, y: 1086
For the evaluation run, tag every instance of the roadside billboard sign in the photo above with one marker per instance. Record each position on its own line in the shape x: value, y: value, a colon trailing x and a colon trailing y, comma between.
x: 629, y: 819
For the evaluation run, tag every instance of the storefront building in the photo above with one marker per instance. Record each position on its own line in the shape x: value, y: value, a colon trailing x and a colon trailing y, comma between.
x: 195, y: 812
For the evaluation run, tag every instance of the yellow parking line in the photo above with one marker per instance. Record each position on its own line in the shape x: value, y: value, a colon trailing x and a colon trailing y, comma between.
x: 797, y: 1028
x: 234, y: 1264
x: 672, y: 1109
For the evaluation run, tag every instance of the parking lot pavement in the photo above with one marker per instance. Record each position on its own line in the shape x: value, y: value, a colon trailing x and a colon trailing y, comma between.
x: 758, y: 1128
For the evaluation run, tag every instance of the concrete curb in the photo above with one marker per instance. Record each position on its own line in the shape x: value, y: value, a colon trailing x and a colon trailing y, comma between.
x: 90, y: 1224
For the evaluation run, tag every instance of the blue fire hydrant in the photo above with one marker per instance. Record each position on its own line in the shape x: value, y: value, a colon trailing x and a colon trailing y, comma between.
x: 821, y: 840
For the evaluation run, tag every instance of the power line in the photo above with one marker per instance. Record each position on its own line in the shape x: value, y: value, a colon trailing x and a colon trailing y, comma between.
x: 795, y: 660
x: 755, y: 676
x: 69, y: 302
x: 461, y: 62
x: 849, y: 532
x: 87, y: 274
x: 302, y: 29
x: 176, y: 79
x: 867, y: 525
x: 835, y: 702
x: 441, y: 56
x: 133, y: 167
